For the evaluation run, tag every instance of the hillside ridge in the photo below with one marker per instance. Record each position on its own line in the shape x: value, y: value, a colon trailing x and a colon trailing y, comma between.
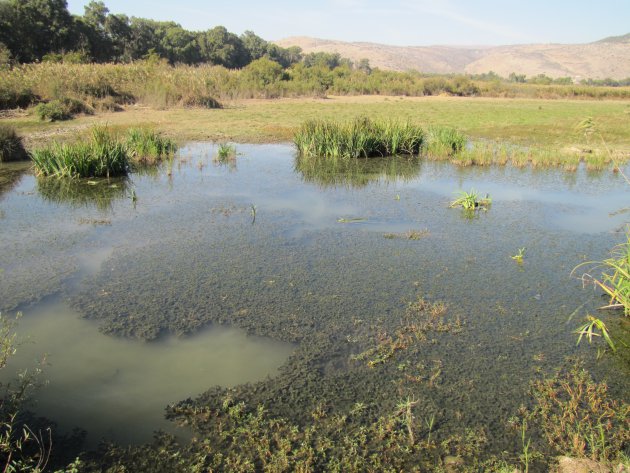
x: 606, y: 58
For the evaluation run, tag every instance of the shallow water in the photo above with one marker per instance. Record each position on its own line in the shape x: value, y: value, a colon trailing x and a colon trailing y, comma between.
x: 118, y: 388
x: 258, y: 245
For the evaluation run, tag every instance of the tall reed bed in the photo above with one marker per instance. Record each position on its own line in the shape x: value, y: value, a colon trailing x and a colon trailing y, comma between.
x: 160, y: 85
x: 103, y: 154
x: 361, y: 138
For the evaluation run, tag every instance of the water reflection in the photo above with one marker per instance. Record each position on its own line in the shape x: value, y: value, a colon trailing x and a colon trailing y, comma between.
x: 117, y: 388
x: 356, y: 173
x: 10, y: 175
x: 100, y: 193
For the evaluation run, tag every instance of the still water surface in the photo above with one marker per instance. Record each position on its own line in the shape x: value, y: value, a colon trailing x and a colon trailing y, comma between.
x: 258, y: 244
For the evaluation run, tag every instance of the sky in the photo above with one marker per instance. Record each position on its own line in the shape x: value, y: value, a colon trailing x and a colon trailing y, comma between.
x: 395, y: 22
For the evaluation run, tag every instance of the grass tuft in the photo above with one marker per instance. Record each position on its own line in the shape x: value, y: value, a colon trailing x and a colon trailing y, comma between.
x: 147, y: 146
x: 444, y: 142
x: 11, y: 147
x: 100, y: 156
x: 226, y: 154
x: 471, y: 201
x: 361, y: 138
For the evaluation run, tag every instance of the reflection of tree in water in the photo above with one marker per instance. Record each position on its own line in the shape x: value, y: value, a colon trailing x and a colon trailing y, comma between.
x: 100, y: 193
x: 10, y: 175
x: 358, y: 172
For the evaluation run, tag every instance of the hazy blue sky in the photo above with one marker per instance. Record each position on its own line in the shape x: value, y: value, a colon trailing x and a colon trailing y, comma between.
x: 401, y: 22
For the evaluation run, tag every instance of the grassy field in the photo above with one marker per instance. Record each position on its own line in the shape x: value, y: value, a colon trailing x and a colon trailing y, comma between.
x: 540, y: 123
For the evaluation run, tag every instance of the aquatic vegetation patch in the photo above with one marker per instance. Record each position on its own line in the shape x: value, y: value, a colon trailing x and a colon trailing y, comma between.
x: 420, y: 318
x: 590, y: 328
x: 239, y: 437
x: 147, y: 146
x: 443, y: 142
x: 408, y: 235
x: 11, y: 147
x: 615, y: 276
x: 576, y: 416
x: 226, y: 154
x: 100, y: 156
x: 361, y: 138
x: 471, y: 201
x: 518, y: 257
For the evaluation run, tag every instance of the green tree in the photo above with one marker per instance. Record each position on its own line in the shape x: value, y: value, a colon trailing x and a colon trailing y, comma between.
x: 33, y: 28
x: 261, y: 73
x: 256, y: 46
x: 286, y: 57
x: 179, y: 45
x: 219, y: 46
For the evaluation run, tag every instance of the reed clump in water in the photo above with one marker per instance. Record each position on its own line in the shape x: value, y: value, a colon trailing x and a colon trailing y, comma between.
x: 361, y: 138
x: 148, y: 146
x: 103, y: 154
x: 99, y: 156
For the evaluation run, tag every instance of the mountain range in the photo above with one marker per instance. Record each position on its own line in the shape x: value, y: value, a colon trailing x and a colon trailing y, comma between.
x: 607, y: 58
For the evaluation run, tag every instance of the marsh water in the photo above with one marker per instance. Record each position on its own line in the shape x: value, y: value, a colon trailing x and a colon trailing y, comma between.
x: 267, y: 274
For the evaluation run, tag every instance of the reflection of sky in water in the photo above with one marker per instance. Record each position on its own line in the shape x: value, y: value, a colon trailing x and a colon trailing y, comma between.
x: 118, y: 388
x: 577, y: 201
x: 533, y: 208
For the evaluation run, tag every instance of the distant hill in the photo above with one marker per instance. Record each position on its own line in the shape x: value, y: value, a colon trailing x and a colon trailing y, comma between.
x: 616, y: 39
x: 609, y: 57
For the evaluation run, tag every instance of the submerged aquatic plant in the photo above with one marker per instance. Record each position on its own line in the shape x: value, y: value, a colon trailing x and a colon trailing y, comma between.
x: 361, y: 138
x: 518, y: 257
x: 351, y: 219
x: 471, y: 201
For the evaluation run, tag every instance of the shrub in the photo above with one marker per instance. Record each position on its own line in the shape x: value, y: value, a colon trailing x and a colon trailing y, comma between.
x: 11, y: 147
x: 202, y: 101
x: 62, y: 109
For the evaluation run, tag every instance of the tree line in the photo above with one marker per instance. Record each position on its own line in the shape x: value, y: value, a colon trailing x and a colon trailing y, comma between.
x: 36, y: 30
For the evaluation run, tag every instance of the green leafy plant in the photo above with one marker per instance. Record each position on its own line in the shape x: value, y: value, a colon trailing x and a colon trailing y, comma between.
x: 518, y: 257
x: 147, y: 146
x: 589, y: 329
x: 62, y: 109
x: 226, y: 153
x: 444, y: 142
x: 471, y: 201
x: 99, y: 156
x: 615, y: 276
